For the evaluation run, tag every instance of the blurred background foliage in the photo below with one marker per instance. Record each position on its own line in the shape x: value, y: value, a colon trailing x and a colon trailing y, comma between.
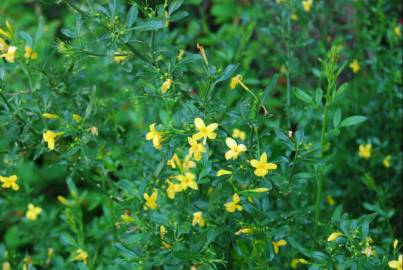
x: 102, y: 163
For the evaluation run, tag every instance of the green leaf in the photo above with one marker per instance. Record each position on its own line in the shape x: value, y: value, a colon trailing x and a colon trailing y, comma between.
x: 301, y: 95
x: 269, y: 88
x: 228, y: 71
x: 353, y: 120
x: 40, y: 29
x: 132, y: 15
x: 337, y: 118
x: 318, y: 96
x: 149, y: 25
x: 174, y: 6
x: 27, y: 38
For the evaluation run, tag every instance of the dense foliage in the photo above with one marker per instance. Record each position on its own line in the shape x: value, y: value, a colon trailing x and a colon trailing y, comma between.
x: 214, y: 134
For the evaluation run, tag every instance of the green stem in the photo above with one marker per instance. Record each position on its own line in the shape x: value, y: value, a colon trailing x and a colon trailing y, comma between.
x: 288, y: 64
x: 321, y: 172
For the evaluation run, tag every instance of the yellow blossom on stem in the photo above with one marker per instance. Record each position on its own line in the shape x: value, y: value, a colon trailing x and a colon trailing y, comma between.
x: 334, y: 236
x: 387, y: 161
x: 187, y: 163
x: 126, y: 217
x: 244, y: 231
x: 204, y: 131
x: 76, y: 117
x: 330, y: 201
x: 307, y: 5
x: 355, y: 66
x: 233, y: 205
x: 397, y: 31
x: 6, y: 266
x: 80, y: 255
x: 261, y: 166
x: 238, y: 134
x: 187, y: 181
x: 3, y: 45
x: 33, y: 212
x: 174, y: 162
x: 223, y: 172
x: 173, y: 189
x: 180, y: 54
x: 166, y: 85
x: 50, y: 116
x: 29, y: 53
x: 151, y: 200
x: 119, y: 57
x: 196, y: 149
x: 198, y: 219
x: 154, y: 136
x: 277, y: 244
x: 49, y: 137
x: 258, y: 190
x: 397, y: 264
x: 62, y: 200
x: 10, y: 182
x: 163, y: 231
x: 202, y: 53
x: 10, y: 54
x: 235, y: 81
x: 235, y: 149
x: 364, y: 150
x: 395, y: 244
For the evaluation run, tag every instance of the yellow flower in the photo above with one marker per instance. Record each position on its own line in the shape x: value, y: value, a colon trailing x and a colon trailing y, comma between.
x: 3, y: 45
x: 62, y: 200
x: 174, y: 161
x: 364, y: 151
x: 151, y: 201
x: 50, y: 116
x: 334, y: 236
x: 233, y: 205
x: 235, y: 81
x: 155, y: 136
x: 80, y: 255
x: 196, y: 149
x: 94, y: 131
x: 33, y: 212
x: 386, y: 161
x: 76, y: 117
x: 204, y: 131
x: 258, y: 190
x: 6, y: 266
x: 223, y: 172
x: 10, y: 182
x: 261, y: 166
x: 294, y: 17
x: 235, y: 149
x: 10, y: 54
x: 166, y: 85
x: 30, y: 54
x: 163, y: 231
x: 307, y: 5
x: 49, y: 137
x: 202, y: 53
x: 330, y: 201
x: 295, y: 262
x: 395, y: 244
x: 173, y: 189
x: 126, y: 217
x: 119, y: 57
x: 244, y: 231
x: 277, y: 244
x: 367, y: 251
x: 238, y: 134
x: 187, y: 164
x: 355, y: 66
x: 187, y: 181
x: 397, y: 31
x: 397, y: 264
x: 198, y: 219
x: 180, y: 54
